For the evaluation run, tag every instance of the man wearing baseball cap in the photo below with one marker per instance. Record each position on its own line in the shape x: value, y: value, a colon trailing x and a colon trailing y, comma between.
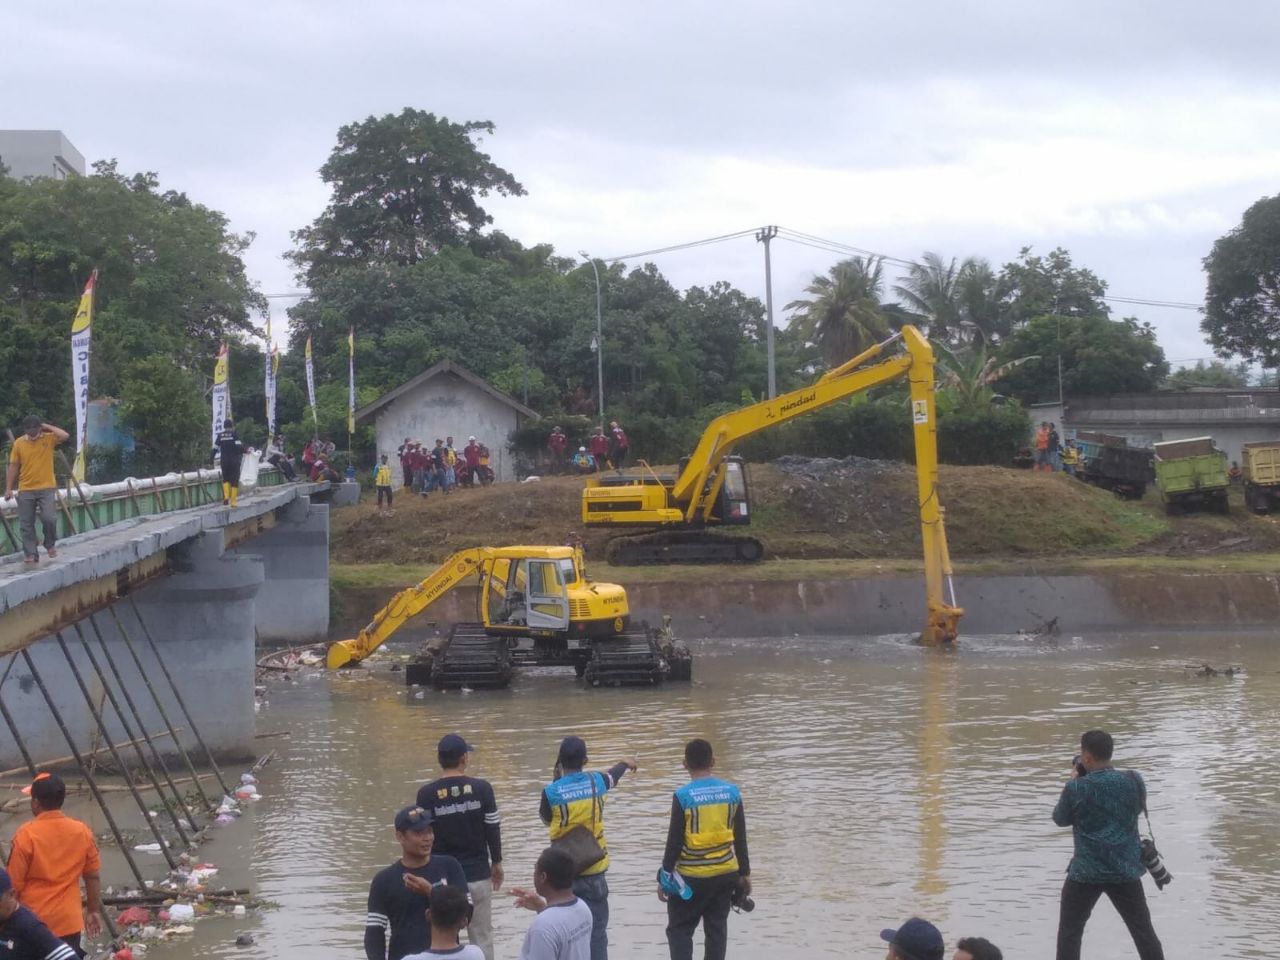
x: 51, y: 854
x: 576, y: 799
x: 464, y: 815
x: 915, y: 940
x: 22, y: 935
x: 399, y: 894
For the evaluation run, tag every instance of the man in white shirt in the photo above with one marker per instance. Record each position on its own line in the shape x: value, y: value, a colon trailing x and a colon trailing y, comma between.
x: 562, y: 928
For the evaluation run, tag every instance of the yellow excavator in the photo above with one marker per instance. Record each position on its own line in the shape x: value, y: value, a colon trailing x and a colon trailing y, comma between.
x: 536, y: 607
x: 710, y: 488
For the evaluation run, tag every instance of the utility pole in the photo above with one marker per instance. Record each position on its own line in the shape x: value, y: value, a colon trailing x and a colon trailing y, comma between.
x: 598, y: 340
x: 764, y: 235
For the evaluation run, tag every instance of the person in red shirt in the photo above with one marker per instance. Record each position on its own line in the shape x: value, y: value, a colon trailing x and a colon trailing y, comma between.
x: 598, y: 445
x: 557, y: 443
x: 619, y: 446
x: 471, y: 456
x: 50, y: 855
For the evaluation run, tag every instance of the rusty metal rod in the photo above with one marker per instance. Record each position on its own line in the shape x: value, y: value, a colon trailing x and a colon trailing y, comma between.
x: 137, y: 716
x: 128, y: 732
x: 13, y: 771
x: 155, y: 696
x: 115, y: 754
x: 177, y: 695
x: 9, y: 721
x: 84, y: 772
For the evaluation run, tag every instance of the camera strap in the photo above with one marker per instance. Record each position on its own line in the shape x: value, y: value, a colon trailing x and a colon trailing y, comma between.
x: 1142, y: 799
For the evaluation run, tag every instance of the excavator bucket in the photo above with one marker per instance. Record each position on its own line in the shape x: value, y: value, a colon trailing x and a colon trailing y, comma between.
x: 341, y: 653
x: 943, y: 627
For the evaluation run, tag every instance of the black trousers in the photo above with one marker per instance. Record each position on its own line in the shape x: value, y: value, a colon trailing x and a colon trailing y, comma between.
x: 709, y: 904
x: 231, y: 472
x: 1130, y: 901
x: 73, y: 941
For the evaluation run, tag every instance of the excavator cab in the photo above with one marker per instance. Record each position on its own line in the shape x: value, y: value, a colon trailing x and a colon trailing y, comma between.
x: 734, y: 502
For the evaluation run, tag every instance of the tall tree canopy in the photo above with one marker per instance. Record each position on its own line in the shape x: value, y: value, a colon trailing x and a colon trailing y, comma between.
x: 404, y: 186
x: 1242, y: 303
x: 842, y: 313
x: 933, y: 289
x: 171, y: 286
x: 1215, y: 373
x: 1035, y: 286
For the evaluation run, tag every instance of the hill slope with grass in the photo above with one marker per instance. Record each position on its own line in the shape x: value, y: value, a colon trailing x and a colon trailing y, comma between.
x: 852, y: 509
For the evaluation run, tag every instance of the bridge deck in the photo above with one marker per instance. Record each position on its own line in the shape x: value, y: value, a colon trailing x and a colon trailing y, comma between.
x: 104, y: 561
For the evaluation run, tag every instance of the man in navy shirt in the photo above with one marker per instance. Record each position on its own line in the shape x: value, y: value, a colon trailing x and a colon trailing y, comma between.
x: 399, y: 894
x: 22, y: 935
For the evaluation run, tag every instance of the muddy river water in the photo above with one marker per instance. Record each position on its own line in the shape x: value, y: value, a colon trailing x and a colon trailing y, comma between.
x: 880, y: 781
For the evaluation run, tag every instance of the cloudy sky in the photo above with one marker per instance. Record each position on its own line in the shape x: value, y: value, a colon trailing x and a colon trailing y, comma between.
x: 1133, y: 134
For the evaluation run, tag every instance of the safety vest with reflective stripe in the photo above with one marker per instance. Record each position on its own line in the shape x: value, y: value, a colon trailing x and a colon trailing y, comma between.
x: 710, y: 807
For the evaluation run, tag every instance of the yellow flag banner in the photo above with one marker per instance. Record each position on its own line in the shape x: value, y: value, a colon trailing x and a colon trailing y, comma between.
x: 311, y: 385
x: 81, y: 339
x: 221, y: 393
x: 351, y: 381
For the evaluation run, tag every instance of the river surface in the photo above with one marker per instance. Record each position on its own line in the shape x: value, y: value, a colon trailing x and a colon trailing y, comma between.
x: 881, y: 780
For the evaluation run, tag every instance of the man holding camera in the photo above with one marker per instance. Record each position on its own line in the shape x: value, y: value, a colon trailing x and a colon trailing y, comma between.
x: 1101, y: 805
x: 706, y: 856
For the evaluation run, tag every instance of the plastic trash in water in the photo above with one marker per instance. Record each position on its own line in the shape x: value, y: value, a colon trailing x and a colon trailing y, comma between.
x: 148, y: 848
x: 223, y: 819
x: 673, y: 884
x: 181, y: 911
x: 238, y: 910
x: 248, y: 778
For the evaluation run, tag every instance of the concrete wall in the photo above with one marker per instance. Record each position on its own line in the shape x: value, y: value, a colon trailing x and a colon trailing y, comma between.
x: 202, y: 620
x: 293, y: 604
x: 448, y: 406
x: 993, y: 605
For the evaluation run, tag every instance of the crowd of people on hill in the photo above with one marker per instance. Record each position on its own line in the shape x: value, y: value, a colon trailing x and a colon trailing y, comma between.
x: 596, y: 453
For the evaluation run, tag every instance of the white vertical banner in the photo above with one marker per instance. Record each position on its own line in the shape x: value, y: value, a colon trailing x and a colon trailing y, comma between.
x: 221, y: 396
x: 311, y: 385
x: 351, y: 384
x: 273, y: 373
x: 81, y: 340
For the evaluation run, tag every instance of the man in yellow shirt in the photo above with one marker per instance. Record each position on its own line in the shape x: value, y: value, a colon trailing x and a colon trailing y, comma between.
x: 31, y: 474
x: 51, y: 855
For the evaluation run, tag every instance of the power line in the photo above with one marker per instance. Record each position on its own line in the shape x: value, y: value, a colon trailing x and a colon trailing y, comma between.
x: 681, y: 246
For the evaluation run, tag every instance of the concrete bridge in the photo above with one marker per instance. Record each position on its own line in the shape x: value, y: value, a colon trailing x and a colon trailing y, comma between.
x: 195, y: 587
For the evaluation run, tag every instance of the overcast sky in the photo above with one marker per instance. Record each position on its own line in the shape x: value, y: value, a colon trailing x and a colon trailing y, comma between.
x: 1132, y: 134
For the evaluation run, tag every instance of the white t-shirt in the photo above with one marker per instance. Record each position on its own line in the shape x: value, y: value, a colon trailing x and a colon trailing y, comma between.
x: 561, y: 932
x: 467, y: 951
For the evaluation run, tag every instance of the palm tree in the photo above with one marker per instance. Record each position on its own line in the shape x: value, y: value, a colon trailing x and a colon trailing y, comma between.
x: 978, y: 292
x: 968, y: 373
x: 842, y: 314
x: 931, y: 289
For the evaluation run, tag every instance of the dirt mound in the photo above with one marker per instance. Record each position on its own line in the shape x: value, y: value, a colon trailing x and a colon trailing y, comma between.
x: 819, y: 508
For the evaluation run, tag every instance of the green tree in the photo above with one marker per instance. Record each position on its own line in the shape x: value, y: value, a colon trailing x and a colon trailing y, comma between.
x: 842, y: 313
x: 1099, y: 357
x: 1034, y: 286
x: 404, y: 186
x: 932, y: 290
x: 1213, y: 374
x: 1242, y: 303
x: 967, y: 375
x: 172, y: 284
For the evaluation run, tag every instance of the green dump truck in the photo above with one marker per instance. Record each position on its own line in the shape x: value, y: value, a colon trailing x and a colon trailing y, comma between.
x: 1191, y: 473
x: 1261, y: 469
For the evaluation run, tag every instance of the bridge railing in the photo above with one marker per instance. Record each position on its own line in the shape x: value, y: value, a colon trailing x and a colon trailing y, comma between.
x: 104, y: 504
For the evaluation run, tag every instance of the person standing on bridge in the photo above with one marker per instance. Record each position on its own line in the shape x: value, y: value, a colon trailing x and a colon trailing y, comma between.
x: 31, y: 474
x: 574, y: 803
x: 230, y: 453
x: 50, y: 856
x: 464, y: 816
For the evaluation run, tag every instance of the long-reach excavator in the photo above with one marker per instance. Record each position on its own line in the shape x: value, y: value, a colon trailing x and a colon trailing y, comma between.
x: 710, y: 489
x: 536, y: 608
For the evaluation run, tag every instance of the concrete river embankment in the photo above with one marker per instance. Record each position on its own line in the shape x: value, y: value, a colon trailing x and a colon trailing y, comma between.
x: 887, y: 605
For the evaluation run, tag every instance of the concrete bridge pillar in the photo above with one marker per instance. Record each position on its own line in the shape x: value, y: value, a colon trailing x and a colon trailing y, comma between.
x: 202, y: 620
x: 293, y: 605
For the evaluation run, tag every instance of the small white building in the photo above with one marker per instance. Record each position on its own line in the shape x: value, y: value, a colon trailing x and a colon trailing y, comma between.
x: 446, y: 400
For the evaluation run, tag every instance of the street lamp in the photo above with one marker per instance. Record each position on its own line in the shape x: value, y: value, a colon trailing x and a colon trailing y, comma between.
x: 597, y: 342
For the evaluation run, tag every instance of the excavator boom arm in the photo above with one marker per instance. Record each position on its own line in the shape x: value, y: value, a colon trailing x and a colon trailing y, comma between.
x: 406, y: 604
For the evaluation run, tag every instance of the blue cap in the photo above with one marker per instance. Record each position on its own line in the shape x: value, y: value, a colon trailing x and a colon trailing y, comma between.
x: 413, y: 819
x: 917, y: 940
x: 453, y: 743
x: 573, y: 752
x: 5, y: 883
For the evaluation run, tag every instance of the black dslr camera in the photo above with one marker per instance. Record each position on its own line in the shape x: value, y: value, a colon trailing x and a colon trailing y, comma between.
x: 1155, y: 865
x: 741, y: 901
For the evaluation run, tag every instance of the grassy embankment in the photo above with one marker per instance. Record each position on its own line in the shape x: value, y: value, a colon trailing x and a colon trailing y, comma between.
x: 831, y: 520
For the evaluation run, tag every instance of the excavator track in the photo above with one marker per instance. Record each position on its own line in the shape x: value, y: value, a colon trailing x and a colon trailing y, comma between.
x: 471, y: 658
x: 627, y: 660
x: 683, y: 546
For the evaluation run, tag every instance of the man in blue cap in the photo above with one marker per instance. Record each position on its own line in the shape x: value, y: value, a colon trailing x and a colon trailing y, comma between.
x: 915, y: 940
x: 467, y: 827
x: 399, y: 894
x: 22, y: 935
x: 576, y: 799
